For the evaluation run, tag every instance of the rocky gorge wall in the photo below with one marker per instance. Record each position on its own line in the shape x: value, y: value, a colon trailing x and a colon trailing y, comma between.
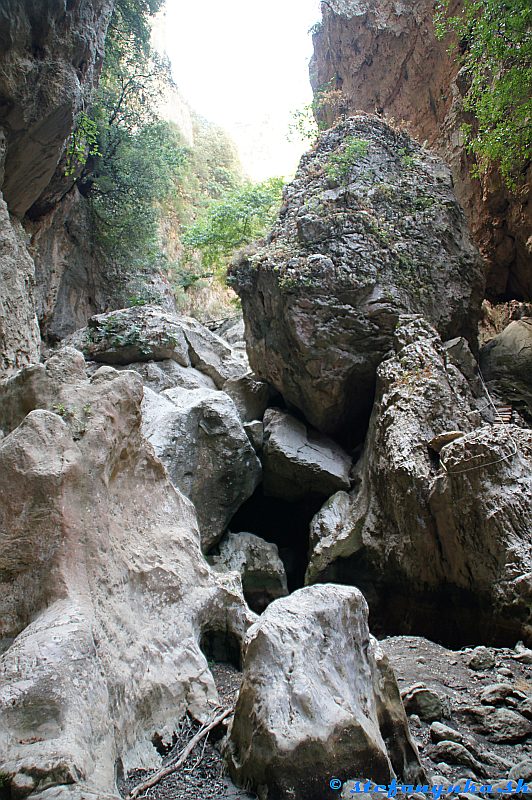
x: 385, y: 59
x: 51, y: 56
x: 163, y: 507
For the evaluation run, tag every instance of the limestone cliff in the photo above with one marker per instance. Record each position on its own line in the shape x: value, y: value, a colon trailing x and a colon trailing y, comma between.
x: 385, y: 58
x: 50, y: 58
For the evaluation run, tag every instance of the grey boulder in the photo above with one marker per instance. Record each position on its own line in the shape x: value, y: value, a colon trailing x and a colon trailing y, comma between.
x: 298, y: 461
x: 250, y: 396
x: 348, y: 255
x: 257, y: 561
x: 199, y: 437
x: 424, y: 702
x: 318, y: 699
x: 104, y: 593
x: 418, y: 527
x: 148, y: 333
x: 507, y: 360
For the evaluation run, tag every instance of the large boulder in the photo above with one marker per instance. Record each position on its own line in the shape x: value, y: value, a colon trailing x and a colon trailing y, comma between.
x: 104, y: 593
x: 440, y: 517
x: 199, y: 437
x: 250, y: 396
x: 148, y: 333
x: 507, y: 360
x: 370, y: 229
x: 168, y: 374
x: 299, y: 461
x: 318, y: 699
x: 258, y: 564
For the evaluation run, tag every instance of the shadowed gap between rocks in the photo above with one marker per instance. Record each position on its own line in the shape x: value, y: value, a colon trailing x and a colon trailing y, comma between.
x: 447, y: 615
x: 221, y: 646
x: 284, y: 523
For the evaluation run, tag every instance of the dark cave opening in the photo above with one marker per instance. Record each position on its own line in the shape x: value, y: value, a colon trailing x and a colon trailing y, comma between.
x: 5, y: 791
x: 447, y: 615
x: 222, y: 646
x: 286, y: 524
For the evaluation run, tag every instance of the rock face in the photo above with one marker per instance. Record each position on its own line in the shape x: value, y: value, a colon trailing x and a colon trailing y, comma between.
x: 75, y: 279
x: 423, y: 530
x: 384, y: 57
x: 19, y: 331
x: 103, y: 596
x: 262, y: 571
x: 298, y: 461
x: 507, y: 360
x: 318, y: 699
x: 50, y: 59
x: 370, y: 229
x: 199, y: 437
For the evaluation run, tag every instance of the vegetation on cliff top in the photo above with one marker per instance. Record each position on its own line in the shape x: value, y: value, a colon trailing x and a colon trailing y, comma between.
x: 494, y: 44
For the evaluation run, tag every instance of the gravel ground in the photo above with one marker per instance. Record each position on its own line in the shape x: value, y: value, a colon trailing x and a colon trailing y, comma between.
x: 447, y: 673
x: 203, y: 775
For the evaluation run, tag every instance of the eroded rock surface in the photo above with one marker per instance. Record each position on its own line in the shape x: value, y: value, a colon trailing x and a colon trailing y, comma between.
x: 50, y: 59
x: 19, y: 331
x: 104, y: 593
x: 365, y: 234
x: 507, y: 361
x: 199, y: 437
x: 424, y: 530
x: 318, y: 699
x: 148, y: 333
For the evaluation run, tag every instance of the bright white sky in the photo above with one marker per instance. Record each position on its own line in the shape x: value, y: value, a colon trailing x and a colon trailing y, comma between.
x: 244, y: 65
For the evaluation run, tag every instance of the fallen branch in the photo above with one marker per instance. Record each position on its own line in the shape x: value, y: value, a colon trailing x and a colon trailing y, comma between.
x: 157, y: 777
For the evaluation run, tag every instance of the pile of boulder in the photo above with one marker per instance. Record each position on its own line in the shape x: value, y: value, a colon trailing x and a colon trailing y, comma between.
x: 126, y: 455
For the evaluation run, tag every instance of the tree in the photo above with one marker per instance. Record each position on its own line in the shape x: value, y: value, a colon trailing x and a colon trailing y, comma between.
x: 236, y: 219
x: 135, y: 172
x: 494, y: 44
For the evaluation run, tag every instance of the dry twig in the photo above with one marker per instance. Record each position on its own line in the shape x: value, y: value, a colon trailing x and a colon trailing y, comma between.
x: 158, y: 776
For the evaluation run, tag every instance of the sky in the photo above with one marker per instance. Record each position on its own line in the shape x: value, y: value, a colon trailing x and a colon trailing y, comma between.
x: 244, y: 65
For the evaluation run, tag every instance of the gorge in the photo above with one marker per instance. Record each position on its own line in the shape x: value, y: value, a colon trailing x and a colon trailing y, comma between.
x: 312, y: 517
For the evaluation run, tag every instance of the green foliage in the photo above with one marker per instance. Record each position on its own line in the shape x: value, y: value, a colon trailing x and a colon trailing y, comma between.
x: 136, y: 171
x: 303, y: 125
x: 140, y: 174
x: 407, y: 160
x: 82, y: 144
x: 143, y: 181
x: 240, y: 216
x: 129, y: 27
x: 215, y: 166
x: 340, y: 163
x: 494, y: 44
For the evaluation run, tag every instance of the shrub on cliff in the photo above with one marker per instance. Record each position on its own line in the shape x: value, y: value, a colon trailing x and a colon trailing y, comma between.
x: 494, y: 39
